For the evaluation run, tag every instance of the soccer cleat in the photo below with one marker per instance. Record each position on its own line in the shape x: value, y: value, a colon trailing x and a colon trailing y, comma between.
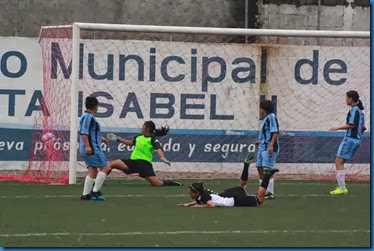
x: 269, y: 196
x: 87, y: 197
x: 176, y: 183
x: 270, y: 171
x: 248, y: 159
x: 98, y: 195
x: 339, y: 191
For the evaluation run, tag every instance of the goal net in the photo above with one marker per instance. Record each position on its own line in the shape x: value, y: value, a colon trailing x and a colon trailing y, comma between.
x: 206, y: 85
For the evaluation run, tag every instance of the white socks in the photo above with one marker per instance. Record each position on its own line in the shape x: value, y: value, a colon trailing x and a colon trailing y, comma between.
x: 100, y: 178
x: 340, y: 177
x: 88, y: 183
x: 270, y: 188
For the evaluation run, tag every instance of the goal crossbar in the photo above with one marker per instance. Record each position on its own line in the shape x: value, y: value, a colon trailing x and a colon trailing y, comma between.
x: 222, y: 31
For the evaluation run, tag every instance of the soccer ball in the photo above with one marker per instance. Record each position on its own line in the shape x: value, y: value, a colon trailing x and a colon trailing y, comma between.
x: 48, y: 137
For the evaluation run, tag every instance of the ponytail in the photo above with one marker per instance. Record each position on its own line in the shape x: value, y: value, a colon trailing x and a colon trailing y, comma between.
x: 162, y: 131
x: 360, y: 105
x: 157, y: 132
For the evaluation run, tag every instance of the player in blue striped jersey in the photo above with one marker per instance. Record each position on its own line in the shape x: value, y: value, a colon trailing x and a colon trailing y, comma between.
x: 268, y: 144
x: 355, y: 126
x: 90, y: 141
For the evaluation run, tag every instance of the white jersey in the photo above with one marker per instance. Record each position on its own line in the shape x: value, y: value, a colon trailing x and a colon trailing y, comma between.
x: 219, y: 201
x: 222, y: 201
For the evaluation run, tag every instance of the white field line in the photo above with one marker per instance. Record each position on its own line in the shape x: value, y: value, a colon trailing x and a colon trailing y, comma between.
x: 280, y: 231
x: 150, y: 196
x: 208, y: 181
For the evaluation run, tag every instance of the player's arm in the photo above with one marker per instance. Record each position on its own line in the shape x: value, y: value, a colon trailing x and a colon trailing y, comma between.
x: 209, y: 204
x: 274, y: 136
x: 160, y: 153
x: 113, y: 137
x: 87, y: 144
x: 187, y: 204
x: 156, y: 145
x: 125, y: 141
x: 106, y: 142
x: 345, y: 127
x: 353, y: 115
x: 363, y: 129
x: 84, y: 132
x: 274, y: 130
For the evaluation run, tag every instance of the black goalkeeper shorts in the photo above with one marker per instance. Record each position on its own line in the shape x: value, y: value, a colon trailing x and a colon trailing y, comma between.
x: 143, y: 167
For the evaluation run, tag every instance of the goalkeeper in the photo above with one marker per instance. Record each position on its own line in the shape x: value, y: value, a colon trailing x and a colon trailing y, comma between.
x: 141, y: 158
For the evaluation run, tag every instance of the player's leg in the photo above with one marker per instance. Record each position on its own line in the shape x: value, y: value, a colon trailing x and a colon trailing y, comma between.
x: 262, y: 190
x: 100, y: 178
x: 242, y: 200
x: 118, y: 164
x: 247, y: 162
x: 88, y: 184
x: 145, y: 170
x: 102, y: 164
x: 268, y: 163
x: 155, y: 181
x: 347, y: 150
x: 260, y: 163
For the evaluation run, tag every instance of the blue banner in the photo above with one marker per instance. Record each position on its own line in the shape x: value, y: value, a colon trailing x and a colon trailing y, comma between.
x: 187, y: 146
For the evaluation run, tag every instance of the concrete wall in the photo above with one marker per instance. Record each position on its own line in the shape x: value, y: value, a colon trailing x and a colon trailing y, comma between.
x: 304, y: 17
x: 24, y: 18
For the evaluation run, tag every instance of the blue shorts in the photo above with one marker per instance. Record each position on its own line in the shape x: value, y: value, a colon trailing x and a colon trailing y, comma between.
x: 348, y: 148
x: 265, y: 160
x: 95, y: 160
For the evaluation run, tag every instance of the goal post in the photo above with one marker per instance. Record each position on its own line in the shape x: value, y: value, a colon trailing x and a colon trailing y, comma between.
x: 206, y: 84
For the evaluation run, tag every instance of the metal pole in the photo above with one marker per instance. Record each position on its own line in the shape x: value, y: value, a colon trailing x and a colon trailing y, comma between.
x: 16, y: 18
x: 170, y: 11
x: 94, y: 15
x: 319, y: 15
x: 246, y: 19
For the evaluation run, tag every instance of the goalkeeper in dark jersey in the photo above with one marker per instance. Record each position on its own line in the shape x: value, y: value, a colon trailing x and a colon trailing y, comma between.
x: 141, y: 158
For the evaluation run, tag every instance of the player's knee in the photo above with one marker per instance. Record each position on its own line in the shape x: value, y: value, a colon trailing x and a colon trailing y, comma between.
x: 106, y: 170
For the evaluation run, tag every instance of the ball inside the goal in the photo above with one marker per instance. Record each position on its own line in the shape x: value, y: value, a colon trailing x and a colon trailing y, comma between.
x: 48, y: 137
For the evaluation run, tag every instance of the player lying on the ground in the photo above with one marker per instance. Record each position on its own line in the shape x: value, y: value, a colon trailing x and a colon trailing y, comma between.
x: 141, y: 158
x: 231, y: 197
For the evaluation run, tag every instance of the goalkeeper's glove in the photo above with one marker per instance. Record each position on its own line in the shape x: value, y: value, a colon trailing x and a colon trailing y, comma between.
x: 113, y: 137
x: 165, y: 161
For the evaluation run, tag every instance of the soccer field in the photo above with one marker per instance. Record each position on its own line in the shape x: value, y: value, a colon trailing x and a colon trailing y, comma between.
x: 138, y: 215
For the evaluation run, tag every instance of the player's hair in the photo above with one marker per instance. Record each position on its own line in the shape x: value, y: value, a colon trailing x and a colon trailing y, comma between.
x: 356, y: 98
x: 91, y: 102
x: 197, y: 187
x: 267, y: 105
x: 157, y: 132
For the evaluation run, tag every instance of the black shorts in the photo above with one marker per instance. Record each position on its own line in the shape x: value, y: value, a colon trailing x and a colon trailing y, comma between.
x: 241, y: 199
x: 144, y: 168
